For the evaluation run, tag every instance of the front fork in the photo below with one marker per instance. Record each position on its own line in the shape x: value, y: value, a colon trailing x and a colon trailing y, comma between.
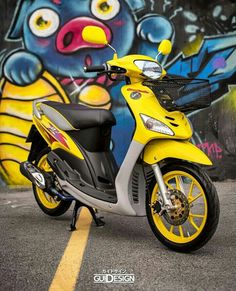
x: 167, y: 204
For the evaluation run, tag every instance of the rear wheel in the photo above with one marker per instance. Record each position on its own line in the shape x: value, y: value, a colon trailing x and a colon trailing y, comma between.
x: 46, y: 202
x: 194, y: 221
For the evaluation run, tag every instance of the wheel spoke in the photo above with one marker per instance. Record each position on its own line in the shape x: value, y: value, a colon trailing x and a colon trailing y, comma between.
x: 177, y: 182
x: 193, y: 223
x: 192, y: 199
x: 181, y: 231
x: 172, y: 228
x: 49, y: 198
x: 45, y: 166
x: 196, y: 215
x: 169, y: 186
x: 181, y: 184
x: 191, y: 189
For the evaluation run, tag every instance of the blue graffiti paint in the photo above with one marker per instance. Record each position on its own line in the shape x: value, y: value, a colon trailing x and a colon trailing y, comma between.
x: 46, y: 47
x: 153, y: 29
x: 67, y: 17
x: 214, y: 61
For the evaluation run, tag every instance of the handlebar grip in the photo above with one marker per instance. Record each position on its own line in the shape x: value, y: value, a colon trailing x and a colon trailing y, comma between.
x: 92, y: 69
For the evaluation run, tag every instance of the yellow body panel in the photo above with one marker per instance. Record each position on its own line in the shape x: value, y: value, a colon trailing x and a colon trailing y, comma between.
x: 159, y: 146
x: 158, y: 150
x: 16, y: 120
x: 43, y: 126
x: 148, y: 104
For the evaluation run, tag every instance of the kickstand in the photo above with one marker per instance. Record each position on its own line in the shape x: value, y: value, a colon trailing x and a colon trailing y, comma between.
x: 78, y: 205
x: 74, y: 215
x: 98, y: 220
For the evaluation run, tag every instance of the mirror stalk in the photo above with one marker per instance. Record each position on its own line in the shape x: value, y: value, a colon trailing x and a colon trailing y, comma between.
x: 114, y: 50
x: 157, y: 56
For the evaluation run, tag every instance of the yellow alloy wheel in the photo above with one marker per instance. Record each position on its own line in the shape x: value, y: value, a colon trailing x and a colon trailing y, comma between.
x: 194, y: 224
x: 46, y: 200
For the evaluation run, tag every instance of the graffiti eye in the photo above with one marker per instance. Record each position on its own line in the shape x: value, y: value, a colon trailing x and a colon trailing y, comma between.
x: 44, y: 22
x: 105, y: 9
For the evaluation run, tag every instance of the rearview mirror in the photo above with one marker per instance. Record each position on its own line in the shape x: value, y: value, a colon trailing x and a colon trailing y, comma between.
x: 95, y: 35
x: 165, y: 47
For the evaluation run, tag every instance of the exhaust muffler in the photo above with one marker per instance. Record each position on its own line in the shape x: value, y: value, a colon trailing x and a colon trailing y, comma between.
x: 34, y: 174
x: 43, y: 180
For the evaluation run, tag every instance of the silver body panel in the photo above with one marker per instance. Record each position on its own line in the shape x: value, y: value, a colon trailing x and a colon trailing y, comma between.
x: 56, y: 117
x: 125, y: 203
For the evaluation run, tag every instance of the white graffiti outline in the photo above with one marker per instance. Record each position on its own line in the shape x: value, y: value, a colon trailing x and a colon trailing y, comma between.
x: 176, y: 12
x: 152, y: 4
x: 6, y: 38
x: 166, y: 3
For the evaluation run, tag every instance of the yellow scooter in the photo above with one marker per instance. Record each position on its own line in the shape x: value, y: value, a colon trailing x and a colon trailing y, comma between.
x: 70, y: 157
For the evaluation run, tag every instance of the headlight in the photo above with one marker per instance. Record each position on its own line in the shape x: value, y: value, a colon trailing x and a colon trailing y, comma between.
x: 156, y: 125
x: 150, y: 69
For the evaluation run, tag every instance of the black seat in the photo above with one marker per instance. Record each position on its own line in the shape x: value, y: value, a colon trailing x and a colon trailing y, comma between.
x: 78, y: 116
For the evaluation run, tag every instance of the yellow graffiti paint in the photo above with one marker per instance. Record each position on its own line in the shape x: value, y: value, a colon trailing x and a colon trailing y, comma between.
x: 193, y: 47
x: 16, y: 120
x: 95, y: 96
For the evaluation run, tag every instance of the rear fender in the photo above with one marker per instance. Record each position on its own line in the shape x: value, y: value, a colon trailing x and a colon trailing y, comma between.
x: 37, y: 143
x: 158, y: 150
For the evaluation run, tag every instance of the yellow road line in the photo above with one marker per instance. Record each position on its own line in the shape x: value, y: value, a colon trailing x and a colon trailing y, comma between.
x: 69, y: 266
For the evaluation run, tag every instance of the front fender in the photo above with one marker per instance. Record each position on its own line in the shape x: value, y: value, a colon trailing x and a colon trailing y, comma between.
x: 158, y: 150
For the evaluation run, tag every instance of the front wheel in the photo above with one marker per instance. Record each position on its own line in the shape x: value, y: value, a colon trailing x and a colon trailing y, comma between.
x: 195, y: 219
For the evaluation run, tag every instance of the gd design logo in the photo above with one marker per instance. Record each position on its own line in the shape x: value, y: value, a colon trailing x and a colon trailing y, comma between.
x: 114, y: 276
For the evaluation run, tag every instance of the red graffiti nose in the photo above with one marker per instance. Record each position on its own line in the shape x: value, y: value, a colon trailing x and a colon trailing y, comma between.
x: 69, y: 38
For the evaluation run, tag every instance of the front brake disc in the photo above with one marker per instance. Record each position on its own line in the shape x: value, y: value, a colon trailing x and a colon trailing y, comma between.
x: 179, y: 215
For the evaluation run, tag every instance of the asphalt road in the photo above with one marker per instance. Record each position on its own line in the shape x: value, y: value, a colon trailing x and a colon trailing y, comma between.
x: 33, y: 244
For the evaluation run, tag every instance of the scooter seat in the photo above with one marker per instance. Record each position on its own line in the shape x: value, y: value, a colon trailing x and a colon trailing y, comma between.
x: 75, y: 116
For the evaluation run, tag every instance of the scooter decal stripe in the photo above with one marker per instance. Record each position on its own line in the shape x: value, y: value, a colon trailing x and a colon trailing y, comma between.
x: 136, y: 90
x: 69, y: 267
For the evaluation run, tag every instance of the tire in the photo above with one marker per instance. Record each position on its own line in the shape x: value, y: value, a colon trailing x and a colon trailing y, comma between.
x: 203, y: 216
x: 46, y: 203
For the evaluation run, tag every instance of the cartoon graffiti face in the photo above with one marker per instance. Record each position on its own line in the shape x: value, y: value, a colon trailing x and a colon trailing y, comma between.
x: 52, y: 29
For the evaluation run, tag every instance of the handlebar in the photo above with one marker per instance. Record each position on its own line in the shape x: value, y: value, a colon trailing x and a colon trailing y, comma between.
x: 105, y: 69
x: 92, y: 69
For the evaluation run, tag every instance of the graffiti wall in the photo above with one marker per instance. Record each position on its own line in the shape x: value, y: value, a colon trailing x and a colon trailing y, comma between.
x: 42, y: 55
